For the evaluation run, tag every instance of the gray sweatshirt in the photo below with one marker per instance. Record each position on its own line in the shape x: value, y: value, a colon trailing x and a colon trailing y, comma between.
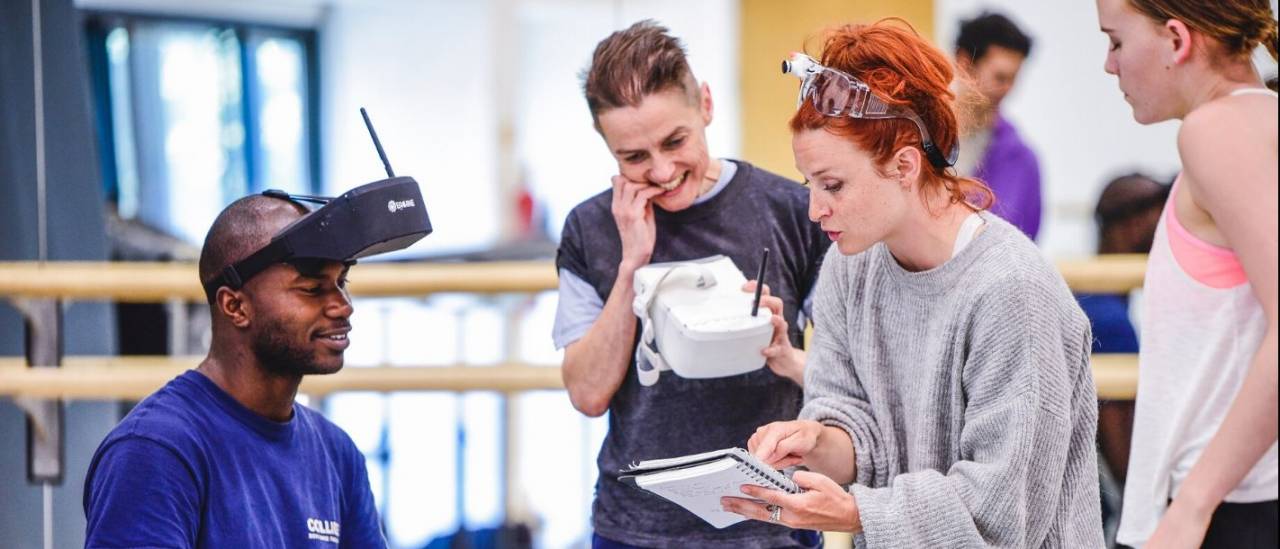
x: 967, y: 392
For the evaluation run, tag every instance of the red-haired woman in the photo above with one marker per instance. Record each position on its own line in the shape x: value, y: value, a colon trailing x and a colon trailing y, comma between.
x: 948, y: 381
x: 1205, y: 426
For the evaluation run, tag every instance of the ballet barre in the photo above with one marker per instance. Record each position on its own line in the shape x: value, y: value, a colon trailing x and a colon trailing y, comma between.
x: 132, y: 378
x: 137, y: 282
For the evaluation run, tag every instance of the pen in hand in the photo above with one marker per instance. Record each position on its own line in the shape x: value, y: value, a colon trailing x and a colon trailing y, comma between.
x: 764, y: 262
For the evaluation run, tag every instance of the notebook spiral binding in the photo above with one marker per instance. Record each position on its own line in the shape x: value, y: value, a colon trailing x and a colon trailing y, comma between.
x: 766, y: 479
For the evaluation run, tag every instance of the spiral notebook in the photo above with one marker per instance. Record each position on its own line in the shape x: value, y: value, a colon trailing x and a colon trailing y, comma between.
x: 697, y: 482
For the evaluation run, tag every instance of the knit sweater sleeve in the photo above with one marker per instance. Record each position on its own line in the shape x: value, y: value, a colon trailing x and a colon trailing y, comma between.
x: 1025, y: 370
x: 833, y: 393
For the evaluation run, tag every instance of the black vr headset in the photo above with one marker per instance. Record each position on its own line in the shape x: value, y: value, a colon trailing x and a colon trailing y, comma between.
x: 374, y: 218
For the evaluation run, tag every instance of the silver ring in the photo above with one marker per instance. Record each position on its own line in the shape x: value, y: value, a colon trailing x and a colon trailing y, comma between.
x: 775, y: 514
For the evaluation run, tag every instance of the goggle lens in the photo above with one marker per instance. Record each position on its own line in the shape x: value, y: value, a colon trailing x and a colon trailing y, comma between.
x: 830, y: 94
x: 834, y: 94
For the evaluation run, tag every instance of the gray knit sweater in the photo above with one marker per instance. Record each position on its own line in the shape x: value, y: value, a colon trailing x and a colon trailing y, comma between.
x: 967, y: 392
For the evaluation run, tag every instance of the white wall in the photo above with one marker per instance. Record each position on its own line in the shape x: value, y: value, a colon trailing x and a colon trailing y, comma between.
x: 433, y: 75
x: 1071, y: 113
x: 421, y: 70
x: 564, y: 159
x: 427, y: 72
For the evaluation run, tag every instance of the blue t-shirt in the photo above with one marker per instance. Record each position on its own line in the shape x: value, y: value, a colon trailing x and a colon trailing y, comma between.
x: 1109, y: 315
x: 191, y: 467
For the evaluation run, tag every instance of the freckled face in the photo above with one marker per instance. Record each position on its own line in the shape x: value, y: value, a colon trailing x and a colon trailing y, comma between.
x: 855, y: 205
x: 1138, y: 55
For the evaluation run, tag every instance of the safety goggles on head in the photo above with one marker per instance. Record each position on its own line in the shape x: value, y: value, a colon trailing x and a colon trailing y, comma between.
x: 834, y: 93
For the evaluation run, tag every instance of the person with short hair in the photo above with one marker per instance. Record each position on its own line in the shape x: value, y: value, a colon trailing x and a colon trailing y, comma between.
x: 948, y: 396
x: 1203, y: 463
x: 222, y: 455
x: 672, y: 201
x: 990, y: 51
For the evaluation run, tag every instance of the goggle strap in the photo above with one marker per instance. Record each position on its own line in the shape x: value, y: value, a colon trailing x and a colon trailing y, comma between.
x: 935, y: 156
x: 931, y: 150
x: 235, y: 275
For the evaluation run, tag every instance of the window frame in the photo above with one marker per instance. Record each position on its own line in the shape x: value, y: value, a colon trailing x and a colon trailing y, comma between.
x: 97, y: 24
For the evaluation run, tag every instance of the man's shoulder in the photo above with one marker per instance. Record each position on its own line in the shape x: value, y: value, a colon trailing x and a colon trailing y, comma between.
x: 1010, y: 140
x: 332, y: 437
x: 323, y: 426
x: 168, y: 416
x: 596, y: 205
x: 589, y: 215
x: 166, y: 431
x: 770, y: 190
x: 334, y: 449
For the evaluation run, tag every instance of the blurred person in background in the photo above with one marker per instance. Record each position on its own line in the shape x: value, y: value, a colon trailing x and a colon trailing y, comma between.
x: 990, y: 50
x: 1127, y: 213
x: 1203, y: 463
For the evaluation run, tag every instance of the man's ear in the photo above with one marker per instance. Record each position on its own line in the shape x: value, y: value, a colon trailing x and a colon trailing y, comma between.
x: 1181, y: 36
x: 906, y: 163
x: 234, y: 305
x: 705, y: 104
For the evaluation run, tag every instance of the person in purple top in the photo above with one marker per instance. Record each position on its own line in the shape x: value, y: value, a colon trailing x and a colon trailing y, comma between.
x: 990, y: 50
x: 222, y: 456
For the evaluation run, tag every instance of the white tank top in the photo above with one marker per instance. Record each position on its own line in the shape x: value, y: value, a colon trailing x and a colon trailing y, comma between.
x: 1201, y: 325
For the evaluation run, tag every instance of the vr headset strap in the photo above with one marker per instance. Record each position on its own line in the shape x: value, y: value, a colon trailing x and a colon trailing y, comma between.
x: 235, y: 275
x: 642, y: 306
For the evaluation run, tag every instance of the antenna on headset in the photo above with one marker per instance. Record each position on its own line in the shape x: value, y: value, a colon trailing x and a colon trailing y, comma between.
x: 381, y: 153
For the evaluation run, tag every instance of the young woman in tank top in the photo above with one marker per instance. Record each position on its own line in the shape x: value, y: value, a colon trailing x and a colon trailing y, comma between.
x: 1203, y: 469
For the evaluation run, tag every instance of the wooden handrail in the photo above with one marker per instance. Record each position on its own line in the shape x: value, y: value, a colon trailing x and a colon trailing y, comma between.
x: 1115, y: 376
x: 135, y: 377
x: 1105, y: 274
x: 111, y: 378
x: 133, y: 282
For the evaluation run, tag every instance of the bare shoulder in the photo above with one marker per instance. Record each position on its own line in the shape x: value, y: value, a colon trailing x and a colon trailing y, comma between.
x: 1234, y: 119
x: 1229, y: 143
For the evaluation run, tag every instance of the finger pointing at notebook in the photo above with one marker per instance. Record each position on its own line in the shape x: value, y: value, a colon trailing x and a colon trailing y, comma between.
x: 784, y: 443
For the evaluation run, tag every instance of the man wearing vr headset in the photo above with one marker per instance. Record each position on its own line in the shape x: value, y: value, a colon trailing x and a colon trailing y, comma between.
x: 671, y: 202
x: 222, y: 456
